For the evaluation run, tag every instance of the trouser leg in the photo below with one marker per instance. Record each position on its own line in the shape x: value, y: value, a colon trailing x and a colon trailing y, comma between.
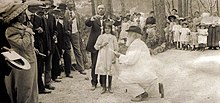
x: 76, y: 48
x: 48, y: 68
x: 94, y: 80
x: 40, y: 69
x: 67, y: 61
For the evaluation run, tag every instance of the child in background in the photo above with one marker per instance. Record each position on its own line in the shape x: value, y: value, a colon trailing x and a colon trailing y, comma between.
x: 106, y: 58
x: 202, y: 37
x: 193, y: 39
x: 168, y: 35
x: 176, y: 34
x: 184, y: 36
x: 124, y: 26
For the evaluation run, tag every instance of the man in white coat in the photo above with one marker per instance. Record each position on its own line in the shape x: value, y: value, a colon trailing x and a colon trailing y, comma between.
x: 138, y: 71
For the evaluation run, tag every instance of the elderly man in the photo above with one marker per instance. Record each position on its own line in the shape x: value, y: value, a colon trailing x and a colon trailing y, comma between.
x: 138, y: 73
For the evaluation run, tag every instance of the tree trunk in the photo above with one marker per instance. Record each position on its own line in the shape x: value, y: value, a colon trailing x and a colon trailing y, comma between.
x: 198, y: 6
x: 190, y: 6
x: 217, y: 8
x: 109, y: 9
x: 93, y: 7
x: 172, y: 2
x: 180, y: 11
x: 99, y: 2
x: 153, y: 5
x: 123, y: 11
x: 160, y: 19
x: 168, y: 7
x: 184, y: 8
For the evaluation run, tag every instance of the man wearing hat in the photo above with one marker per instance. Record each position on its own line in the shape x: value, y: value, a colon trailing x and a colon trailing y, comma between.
x: 137, y: 66
x: 21, y: 85
x: 36, y: 14
x: 49, y: 27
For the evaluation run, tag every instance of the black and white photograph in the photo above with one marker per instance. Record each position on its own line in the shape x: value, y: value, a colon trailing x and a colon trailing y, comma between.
x: 109, y: 51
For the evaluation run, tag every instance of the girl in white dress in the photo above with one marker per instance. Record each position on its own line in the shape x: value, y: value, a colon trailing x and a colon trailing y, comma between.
x: 202, y: 37
x: 176, y: 34
x: 106, y: 58
x: 184, y: 36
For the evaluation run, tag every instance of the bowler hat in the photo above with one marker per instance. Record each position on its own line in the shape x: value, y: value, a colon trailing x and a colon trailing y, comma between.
x: 135, y: 29
x: 62, y: 6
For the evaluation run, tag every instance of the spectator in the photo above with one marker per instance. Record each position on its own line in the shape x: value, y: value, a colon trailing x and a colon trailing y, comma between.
x: 20, y: 38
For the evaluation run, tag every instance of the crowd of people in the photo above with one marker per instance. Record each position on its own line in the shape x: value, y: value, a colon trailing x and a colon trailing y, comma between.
x: 45, y: 34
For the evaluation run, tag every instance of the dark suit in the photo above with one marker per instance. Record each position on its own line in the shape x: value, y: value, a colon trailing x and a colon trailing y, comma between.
x: 64, y: 31
x: 39, y: 42
x: 49, y: 31
x: 95, y: 32
x: 4, y: 69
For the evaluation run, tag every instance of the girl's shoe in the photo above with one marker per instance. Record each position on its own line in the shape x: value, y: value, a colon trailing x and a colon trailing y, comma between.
x: 103, y: 90
x: 110, y: 90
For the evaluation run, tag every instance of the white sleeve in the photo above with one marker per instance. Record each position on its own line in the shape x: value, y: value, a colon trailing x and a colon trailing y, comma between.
x: 132, y: 56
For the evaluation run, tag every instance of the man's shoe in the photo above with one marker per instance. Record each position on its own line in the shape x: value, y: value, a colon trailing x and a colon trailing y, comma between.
x: 49, y: 87
x: 82, y: 72
x: 144, y: 95
x: 93, y: 88
x: 137, y: 99
x: 45, y: 92
x: 69, y: 76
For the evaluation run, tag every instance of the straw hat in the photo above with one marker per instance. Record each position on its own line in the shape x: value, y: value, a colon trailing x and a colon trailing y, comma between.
x: 13, y: 11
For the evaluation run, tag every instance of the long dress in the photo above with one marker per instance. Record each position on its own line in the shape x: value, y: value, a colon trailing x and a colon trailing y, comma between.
x: 104, y: 65
x: 214, y: 33
x: 202, y: 37
x: 176, y: 32
x: 184, y: 37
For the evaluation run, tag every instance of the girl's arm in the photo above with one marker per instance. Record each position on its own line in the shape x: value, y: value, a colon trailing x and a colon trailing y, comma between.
x: 98, y: 44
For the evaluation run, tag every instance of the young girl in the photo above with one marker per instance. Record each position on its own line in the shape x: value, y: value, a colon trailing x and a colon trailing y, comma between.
x: 184, y: 36
x: 168, y: 35
x: 202, y: 37
x: 176, y: 34
x: 193, y: 39
x: 124, y: 26
x: 106, y: 58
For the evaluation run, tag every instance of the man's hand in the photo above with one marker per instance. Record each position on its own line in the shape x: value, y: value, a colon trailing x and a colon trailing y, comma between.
x: 40, y: 30
x: 117, y: 54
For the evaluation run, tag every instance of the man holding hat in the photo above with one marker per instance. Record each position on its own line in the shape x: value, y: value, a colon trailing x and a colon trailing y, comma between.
x: 21, y: 85
x: 138, y: 71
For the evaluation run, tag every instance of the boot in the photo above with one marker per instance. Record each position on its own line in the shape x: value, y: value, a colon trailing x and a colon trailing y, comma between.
x: 110, y: 84
x: 161, y: 90
x: 103, y: 80
x: 104, y: 89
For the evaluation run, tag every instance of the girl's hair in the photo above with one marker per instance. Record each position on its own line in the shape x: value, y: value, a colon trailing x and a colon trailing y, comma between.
x: 105, y: 25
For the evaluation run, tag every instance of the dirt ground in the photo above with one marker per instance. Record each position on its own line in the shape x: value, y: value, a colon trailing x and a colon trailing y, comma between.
x: 188, y: 77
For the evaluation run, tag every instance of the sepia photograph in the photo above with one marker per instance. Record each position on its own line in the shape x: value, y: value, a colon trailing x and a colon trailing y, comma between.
x: 109, y: 51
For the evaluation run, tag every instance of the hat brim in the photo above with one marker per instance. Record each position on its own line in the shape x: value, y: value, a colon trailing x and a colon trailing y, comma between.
x: 133, y: 31
x: 171, y: 17
x: 16, y: 12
